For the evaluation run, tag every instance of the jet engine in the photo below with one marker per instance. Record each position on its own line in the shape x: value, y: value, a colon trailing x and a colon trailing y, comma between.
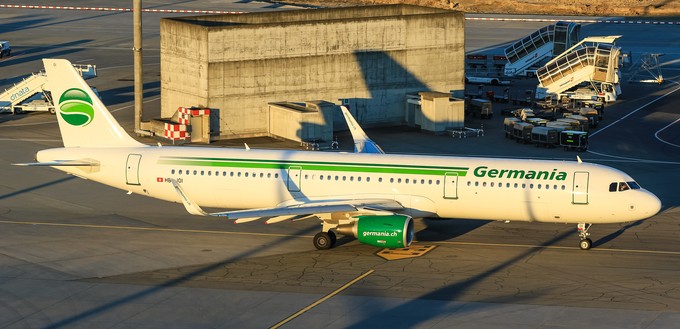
x: 385, y: 231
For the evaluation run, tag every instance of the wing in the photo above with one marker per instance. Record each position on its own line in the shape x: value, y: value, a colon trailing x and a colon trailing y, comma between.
x: 299, y: 209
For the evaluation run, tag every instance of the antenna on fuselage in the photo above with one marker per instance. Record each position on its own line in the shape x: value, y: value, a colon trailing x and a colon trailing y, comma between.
x: 578, y: 158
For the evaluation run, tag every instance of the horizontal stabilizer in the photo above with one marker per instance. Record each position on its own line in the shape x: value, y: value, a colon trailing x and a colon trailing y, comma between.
x: 60, y: 163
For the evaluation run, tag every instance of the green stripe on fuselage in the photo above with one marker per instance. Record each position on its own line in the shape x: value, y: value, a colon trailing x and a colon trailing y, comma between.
x: 312, y: 166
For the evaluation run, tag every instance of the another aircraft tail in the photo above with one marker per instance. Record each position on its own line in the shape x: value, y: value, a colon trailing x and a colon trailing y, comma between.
x: 83, y: 119
x: 362, y: 144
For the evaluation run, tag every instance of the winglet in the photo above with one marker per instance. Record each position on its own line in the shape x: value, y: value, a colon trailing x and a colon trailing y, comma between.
x: 362, y: 144
x: 191, y: 206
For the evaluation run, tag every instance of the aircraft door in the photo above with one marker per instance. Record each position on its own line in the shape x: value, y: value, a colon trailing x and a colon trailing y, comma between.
x: 132, y: 169
x: 451, y: 185
x: 294, y: 178
x: 580, y: 190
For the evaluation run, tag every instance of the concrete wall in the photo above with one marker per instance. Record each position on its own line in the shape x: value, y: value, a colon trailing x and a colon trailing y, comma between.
x: 302, y: 122
x: 371, y: 56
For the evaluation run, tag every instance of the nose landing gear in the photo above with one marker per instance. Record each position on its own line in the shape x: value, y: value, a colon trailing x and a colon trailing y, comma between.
x: 585, y: 243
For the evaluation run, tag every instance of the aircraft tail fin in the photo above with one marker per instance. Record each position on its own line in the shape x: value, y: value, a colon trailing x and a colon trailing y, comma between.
x: 83, y: 119
x: 362, y: 144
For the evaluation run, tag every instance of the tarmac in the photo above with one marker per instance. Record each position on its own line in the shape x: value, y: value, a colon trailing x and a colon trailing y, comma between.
x: 76, y: 254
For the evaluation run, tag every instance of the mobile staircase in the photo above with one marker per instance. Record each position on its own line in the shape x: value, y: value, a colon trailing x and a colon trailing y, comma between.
x: 594, y: 60
x: 527, y: 53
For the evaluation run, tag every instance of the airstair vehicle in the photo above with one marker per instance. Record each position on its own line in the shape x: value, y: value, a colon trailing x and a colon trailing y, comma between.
x: 593, y: 62
x: 526, y: 54
x: 22, y: 96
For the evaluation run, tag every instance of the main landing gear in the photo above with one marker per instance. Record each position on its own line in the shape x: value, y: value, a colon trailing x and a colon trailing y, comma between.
x: 585, y: 243
x: 325, y: 240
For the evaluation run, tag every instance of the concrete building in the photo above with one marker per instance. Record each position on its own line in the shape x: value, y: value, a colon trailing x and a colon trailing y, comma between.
x: 369, y: 57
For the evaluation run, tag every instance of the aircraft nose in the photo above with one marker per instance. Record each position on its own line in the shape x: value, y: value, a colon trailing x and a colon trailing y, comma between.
x: 652, y: 204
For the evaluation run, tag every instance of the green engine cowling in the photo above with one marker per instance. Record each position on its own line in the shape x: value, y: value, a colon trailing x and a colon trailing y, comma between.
x: 385, y: 231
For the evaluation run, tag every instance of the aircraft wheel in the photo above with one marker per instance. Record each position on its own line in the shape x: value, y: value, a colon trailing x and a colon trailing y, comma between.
x: 334, y: 238
x: 323, y: 241
x: 585, y: 244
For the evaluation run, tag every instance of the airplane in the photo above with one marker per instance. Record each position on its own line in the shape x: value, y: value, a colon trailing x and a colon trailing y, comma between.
x: 369, y: 195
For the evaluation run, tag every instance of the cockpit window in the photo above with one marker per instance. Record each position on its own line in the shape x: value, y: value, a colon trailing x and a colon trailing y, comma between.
x: 613, y: 187
x: 623, y: 186
x: 634, y: 185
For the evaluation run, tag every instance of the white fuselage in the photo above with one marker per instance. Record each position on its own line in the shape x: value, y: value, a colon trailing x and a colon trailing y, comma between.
x: 427, y: 186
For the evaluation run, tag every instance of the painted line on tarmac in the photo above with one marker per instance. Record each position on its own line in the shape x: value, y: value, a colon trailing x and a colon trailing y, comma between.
x: 508, y: 19
x: 628, y: 159
x: 190, y: 11
x: 197, y: 11
x: 152, y: 229
x: 633, y: 251
x: 664, y: 128
x: 631, y: 113
x: 337, y: 291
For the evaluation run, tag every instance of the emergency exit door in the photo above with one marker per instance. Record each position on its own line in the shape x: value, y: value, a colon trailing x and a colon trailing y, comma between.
x: 451, y: 185
x: 294, y: 177
x: 580, y: 190
x: 132, y: 169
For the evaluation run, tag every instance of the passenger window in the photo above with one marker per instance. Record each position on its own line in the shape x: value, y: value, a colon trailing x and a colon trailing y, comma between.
x: 368, y: 179
x: 491, y: 184
x: 399, y: 180
x: 484, y: 184
x: 269, y: 175
x: 406, y: 180
x: 276, y: 175
x: 437, y: 182
x: 195, y: 172
x: 180, y: 171
x: 476, y: 183
x: 469, y: 183
x: 209, y: 173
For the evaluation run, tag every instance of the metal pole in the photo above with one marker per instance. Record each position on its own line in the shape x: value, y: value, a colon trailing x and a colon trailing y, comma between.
x: 137, y: 50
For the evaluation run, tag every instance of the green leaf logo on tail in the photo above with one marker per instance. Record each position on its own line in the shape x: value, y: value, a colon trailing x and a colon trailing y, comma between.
x: 75, y: 107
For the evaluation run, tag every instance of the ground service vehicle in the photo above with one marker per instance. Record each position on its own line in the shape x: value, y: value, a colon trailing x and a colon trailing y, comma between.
x: 574, y: 140
x: 481, y: 108
x: 5, y: 49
